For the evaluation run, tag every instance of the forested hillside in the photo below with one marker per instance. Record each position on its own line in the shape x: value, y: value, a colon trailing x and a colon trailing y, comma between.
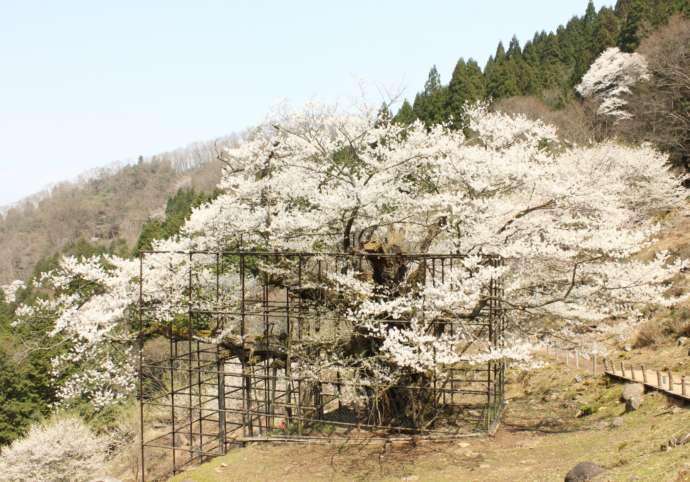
x: 107, y: 208
x: 549, y: 66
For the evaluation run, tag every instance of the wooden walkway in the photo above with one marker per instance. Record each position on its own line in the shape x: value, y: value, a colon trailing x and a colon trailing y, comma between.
x: 670, y: 383
x: 664, y: 381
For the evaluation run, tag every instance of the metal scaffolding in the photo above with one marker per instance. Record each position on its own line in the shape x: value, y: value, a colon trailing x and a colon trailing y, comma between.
x: 256, y: 382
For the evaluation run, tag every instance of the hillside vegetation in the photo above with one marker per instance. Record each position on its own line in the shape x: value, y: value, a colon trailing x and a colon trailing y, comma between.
x: 106, y: 209
x: 538, y: 78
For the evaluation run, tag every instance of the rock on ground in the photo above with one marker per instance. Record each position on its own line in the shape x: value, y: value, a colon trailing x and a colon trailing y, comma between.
x: 583, y: 471
x: 632, y: 404
x: 631, y: 390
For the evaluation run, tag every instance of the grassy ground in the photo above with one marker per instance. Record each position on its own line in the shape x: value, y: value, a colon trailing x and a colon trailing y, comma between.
x: 544, y: 434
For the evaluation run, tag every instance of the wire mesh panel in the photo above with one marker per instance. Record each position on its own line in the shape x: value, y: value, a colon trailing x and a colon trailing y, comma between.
x: 272, y: 346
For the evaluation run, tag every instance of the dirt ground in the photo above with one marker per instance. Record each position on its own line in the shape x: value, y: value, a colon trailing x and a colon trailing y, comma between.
x: 552, y: 422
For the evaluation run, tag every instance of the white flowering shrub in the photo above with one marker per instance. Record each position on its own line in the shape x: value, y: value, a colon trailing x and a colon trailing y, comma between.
x: 10, y: 290
x: 61, y: 450
x: 565, y: 219
x: 609, y: 79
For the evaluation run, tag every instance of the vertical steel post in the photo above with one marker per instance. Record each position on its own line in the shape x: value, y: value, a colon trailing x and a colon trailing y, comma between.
x: 141, y: 364
x: 489, y: 364
x: 220, y: 366
x: 288, y: 359
x: 300, y: 421
x: 190, y: 360
x: 246, y: 380
x: 171, y: 362
x: 199, y: 397
x: 267, y: 392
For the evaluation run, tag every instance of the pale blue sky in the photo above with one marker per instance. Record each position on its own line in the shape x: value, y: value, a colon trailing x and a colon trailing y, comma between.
x: 85, y: 83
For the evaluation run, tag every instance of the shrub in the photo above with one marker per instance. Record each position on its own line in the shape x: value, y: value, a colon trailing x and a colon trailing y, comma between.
x: 649, y: 333
x: 679, y: 322
x: 586, y: 410
x: 64, y: 449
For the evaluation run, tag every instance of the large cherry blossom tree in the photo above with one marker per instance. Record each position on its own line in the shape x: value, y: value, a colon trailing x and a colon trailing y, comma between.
x: 566, y: 220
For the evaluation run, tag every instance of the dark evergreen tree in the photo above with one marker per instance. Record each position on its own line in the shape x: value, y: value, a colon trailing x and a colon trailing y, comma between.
x: 632, y: 30
x: 384, y: 116
x: 606, y: 31
x: 500, y: 79
x: 177, y: 210
x: 27, y: 390
x: 429, y: 106
x: 466, y: 86
x: 405, y: 115
x: 530, y: 56
x: 514, y: 50
x: 433, y: 82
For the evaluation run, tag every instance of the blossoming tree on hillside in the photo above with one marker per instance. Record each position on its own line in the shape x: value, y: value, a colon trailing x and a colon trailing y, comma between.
x: 609, y: 79
x: 565, y: 220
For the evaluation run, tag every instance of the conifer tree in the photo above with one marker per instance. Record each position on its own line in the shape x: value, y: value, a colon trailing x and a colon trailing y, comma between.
x: 502, y: 73
x: 384, y: 114
x: 606, y: 31
x: 631, y: 31
x: 405, y: 115
x: 530, y: 56
x: 466, y: 86
x: 514, y: 50
x: 429, y: 106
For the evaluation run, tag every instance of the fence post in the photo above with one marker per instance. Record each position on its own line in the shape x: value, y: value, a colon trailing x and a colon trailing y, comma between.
x: 577, y: 359
x: 632, y: 372
x: 594, y: 364
x: 644, y: 374
x: 622, y: 370
x: 658, y: 379
x: 683, y: 389
x: 670, y: 381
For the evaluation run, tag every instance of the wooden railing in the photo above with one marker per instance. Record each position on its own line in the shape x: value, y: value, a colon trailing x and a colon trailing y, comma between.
x: 665, y: 381
x: 578, y: 359
x: 662, y: 380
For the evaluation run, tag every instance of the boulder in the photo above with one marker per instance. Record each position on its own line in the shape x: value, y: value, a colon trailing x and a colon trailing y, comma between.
x: 682, y: 340
x: 583, y: 471
x: 617, y: 422
x: 631, y: 390
x: 633, y: 403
